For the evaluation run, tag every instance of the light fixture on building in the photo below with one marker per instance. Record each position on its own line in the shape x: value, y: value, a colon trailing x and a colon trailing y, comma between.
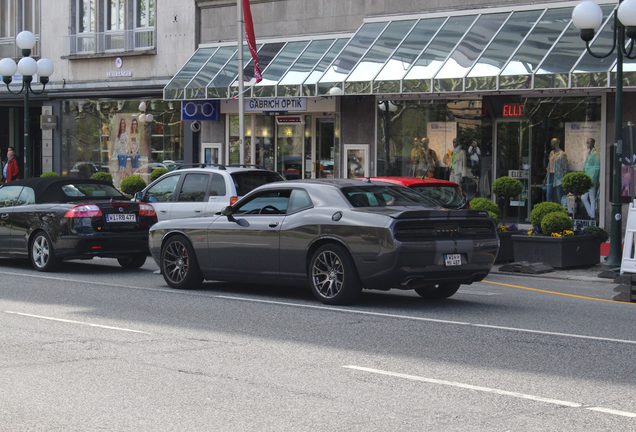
x: 587, y: 16
x: 120, y: 105
x: 27, y: 67
x: 335, y: 91
x: 387, y: 105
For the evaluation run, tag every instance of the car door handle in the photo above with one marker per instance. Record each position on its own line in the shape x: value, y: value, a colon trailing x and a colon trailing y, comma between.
x: 197, y: 211
x: 4, y: 216
x: 163, y: 211
x: 273, y: 225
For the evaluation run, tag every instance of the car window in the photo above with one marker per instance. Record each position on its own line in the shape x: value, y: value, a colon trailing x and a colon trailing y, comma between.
x: 163, y: 190
x: 217, y: 187
x: 447, y: 196
x: 269, y: 202
x: 299, y: 200
x: 383, y: 196
x: 90, y: 190
x: 9, y: 195
x: 27, y: 196
x: 193, y: 188
x: 246, y: 181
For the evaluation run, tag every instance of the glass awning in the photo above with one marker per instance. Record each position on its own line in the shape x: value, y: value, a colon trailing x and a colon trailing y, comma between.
x: 534, y: 47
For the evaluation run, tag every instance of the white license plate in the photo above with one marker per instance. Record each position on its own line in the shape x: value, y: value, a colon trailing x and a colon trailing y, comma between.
x: 452, y: 260
x: 121, y: 217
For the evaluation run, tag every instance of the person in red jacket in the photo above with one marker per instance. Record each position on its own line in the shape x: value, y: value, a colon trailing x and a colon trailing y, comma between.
x: 10, y: 170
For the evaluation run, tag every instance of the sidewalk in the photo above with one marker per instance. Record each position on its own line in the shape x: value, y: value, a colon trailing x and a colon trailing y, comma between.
x: 589, y: 274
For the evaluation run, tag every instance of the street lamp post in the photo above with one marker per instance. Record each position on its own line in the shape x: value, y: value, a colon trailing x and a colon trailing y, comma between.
x: 27, y: 67
x: 587, y: 16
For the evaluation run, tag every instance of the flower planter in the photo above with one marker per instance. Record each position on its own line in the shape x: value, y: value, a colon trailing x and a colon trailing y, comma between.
x: 558, y: 252
x: 506, y: 251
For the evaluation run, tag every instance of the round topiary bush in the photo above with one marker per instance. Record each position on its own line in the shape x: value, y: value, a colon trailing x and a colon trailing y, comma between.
x: 49, y: 174
x: 507, y: 187
x: 576, y: 182
x: 132, y: 184
x: 157, y: 172
x: 484, y: 204
x: 102, y: 176
x: 555, y: 222
x: 540, y: 210
x: 597, y: 232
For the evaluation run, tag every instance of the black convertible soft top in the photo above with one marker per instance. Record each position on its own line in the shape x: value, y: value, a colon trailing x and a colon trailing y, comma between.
x: 49, y: 189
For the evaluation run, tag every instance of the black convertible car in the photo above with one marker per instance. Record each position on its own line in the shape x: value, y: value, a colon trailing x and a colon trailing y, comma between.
x: 57, y: 218
x: 338, y: 235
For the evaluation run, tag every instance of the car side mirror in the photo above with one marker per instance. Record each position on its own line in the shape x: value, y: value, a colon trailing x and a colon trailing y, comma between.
x: 138, y: 196
x: 228, y: 212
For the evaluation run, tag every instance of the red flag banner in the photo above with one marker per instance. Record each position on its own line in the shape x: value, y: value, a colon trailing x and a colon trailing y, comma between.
x: 251, y: 39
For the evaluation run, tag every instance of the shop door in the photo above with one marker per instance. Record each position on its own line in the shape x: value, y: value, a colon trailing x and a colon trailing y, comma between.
x: 289, y: 151
x: 324, y: 156
x: 512, y: 159
x: 211, y: 153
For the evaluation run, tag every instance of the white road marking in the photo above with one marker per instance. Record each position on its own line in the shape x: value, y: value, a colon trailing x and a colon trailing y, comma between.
x: 491, y: 390
x: 329, y: 308
x: 76, y: 322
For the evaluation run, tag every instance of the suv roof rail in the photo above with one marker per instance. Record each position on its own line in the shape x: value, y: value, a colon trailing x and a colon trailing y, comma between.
x: 201, y: 165
x: 245, y: 166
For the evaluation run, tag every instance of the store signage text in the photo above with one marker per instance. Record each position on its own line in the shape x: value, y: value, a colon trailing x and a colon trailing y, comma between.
x: 281, y: 120
x: 276, y: 104
x: 119, y: 74
x: 512, y: 110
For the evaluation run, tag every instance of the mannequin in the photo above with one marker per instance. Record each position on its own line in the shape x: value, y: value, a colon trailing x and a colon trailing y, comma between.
x: 557, y: 168
x: 417, y: 158
x: 430, y: 158
x: 591, y: 167
x: 474, y: 158
x: 458, y: 164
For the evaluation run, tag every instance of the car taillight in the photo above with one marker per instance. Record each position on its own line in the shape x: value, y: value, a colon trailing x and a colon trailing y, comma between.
x: 233, y: 200
x: 84, y: 211
x: 147, y: 210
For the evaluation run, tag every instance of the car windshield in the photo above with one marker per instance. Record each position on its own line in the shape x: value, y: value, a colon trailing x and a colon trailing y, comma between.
x: 383, y: 196
x: 91, y: 190
x: 447, y: 196
x: 246, y: 181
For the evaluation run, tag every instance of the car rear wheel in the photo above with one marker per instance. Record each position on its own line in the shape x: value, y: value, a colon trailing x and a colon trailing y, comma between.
x: 436, y: 292
x: 42, y: 254
x: 332, y: 275
x: 179, y: 264
x: 132, y: 262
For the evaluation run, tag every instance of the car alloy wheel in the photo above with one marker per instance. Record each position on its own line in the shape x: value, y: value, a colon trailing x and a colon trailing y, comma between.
x: 41, y: 253
x: 333, y: 277
x: 178, y: 264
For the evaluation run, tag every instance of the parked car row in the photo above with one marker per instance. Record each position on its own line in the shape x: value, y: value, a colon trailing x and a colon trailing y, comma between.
x: 244, y: 224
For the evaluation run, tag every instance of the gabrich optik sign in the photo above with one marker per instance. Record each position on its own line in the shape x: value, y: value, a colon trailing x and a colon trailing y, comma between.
x: 296, y: 104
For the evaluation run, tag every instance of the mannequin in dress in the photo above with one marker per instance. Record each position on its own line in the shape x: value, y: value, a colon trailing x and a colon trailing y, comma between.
x: 458, y: 164
x: 591, y: 167
x: 557, y: 168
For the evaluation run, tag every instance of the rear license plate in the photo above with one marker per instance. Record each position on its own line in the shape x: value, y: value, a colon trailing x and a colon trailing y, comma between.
x: 123, y: 217
x: 452, y: 260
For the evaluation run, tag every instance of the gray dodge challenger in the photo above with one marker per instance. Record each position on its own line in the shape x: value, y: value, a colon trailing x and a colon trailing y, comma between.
x: 340, y: 236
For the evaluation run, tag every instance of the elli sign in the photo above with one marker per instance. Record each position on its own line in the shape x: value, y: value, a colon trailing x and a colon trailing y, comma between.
x: 297, y: 104
x: 512, y: 110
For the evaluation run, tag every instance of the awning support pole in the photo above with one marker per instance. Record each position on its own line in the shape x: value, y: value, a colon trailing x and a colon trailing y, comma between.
x: 239, y: 54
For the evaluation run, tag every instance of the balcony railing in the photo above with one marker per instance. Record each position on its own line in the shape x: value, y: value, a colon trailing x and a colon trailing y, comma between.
x: 112, y: 41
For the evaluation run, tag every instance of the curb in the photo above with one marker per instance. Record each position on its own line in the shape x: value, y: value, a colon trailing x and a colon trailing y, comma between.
x: 556, y: 277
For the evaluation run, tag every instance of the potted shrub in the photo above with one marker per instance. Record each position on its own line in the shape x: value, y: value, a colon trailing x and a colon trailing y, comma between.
x: 102, y: 176
x: 576, y: 183
x: 505, y: 188
x: 156, y: 173
x: 504, y: 232
x: 49, y: 174
x: 132, y: 184
x: 552, y: 240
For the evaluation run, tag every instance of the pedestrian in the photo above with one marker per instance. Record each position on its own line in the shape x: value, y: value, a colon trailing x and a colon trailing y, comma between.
x: 10, y: 171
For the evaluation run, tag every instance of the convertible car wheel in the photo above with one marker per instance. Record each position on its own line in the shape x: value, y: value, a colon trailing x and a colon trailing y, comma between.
x: 132, y: 262
x: 179, y: 265
x: 437, y: 292
x: 333, y: 276
x: 41, y: 253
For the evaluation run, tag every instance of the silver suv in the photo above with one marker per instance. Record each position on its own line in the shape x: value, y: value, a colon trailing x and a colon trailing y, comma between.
x: 191, y: 192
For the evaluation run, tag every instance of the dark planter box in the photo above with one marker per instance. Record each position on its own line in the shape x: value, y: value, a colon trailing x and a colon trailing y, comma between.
x: 558, y: 252
x: 506, y: 251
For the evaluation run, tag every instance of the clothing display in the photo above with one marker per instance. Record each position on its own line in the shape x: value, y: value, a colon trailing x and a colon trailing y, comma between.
x: 591, y: 167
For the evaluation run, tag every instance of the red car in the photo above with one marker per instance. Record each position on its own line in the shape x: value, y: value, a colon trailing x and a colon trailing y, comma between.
x: 447, y: 193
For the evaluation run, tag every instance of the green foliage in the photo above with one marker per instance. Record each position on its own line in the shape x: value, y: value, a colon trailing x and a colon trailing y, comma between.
x: 157, y: 172
x: 102, y: 176
x: 49, y: 174
x: 132, y: 184
x: 507, y: 187
x: 576, y: 182
x: 598, y: 232
x: 484, y: 204
x: 540, y: 210
x: 555, y: 222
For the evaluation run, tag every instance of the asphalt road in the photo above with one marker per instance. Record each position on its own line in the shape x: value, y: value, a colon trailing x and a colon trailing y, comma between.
x: 94, y: 347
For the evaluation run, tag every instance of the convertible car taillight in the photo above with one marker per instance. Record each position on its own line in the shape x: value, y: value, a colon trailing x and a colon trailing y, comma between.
x: 84, y: 211
x: 146, y: 210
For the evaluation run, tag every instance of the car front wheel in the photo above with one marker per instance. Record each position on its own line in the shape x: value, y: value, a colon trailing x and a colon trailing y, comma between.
x: 42, y: 254
x: 132, y: 262
x: 436, y: 292
x: 179, y: 265
x: 332, y: 275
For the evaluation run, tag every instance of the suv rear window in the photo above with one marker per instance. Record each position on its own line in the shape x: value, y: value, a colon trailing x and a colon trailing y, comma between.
x: 246, y: 181
x: 384, y: 196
